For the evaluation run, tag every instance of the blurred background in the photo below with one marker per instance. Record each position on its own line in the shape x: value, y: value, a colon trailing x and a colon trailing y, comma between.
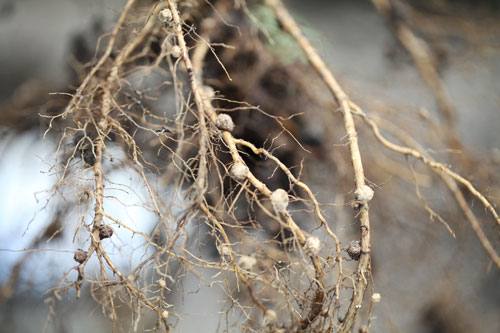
x: 429, y: 280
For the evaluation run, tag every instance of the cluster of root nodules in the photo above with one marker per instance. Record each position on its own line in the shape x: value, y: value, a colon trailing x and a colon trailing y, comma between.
x: 200, y: 214
x: 165, y: 198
